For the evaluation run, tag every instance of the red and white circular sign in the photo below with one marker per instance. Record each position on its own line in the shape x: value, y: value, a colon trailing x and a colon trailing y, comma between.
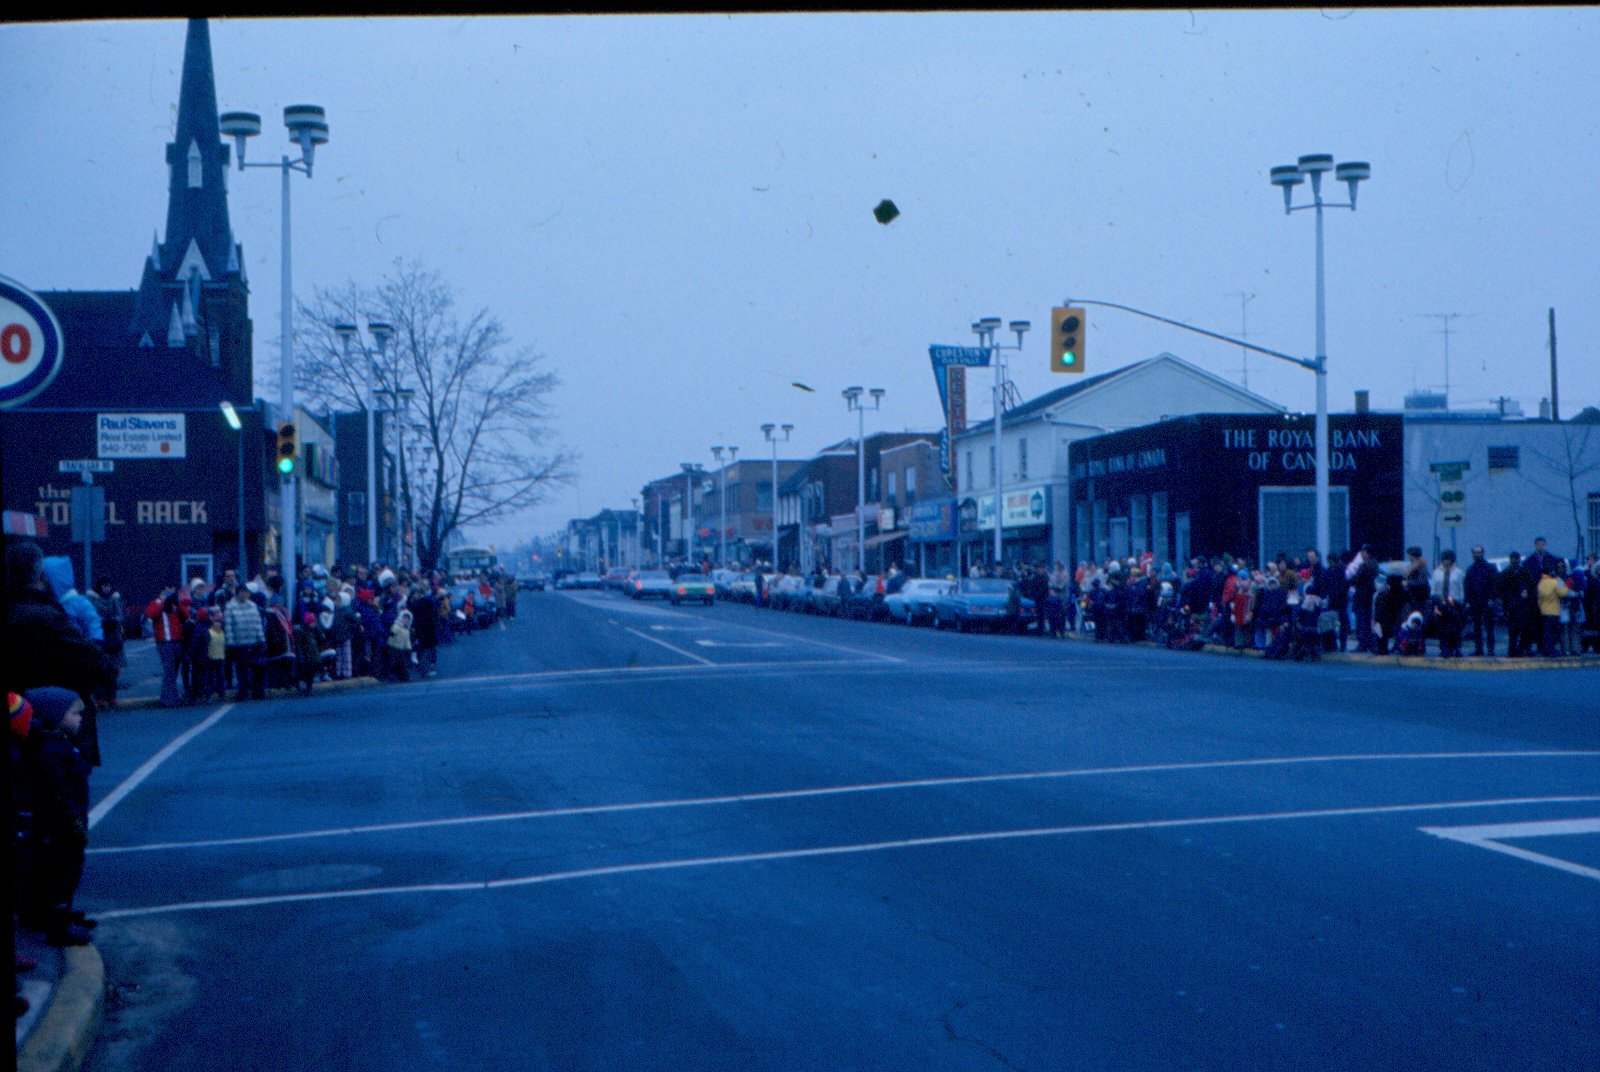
x: 30, y: 344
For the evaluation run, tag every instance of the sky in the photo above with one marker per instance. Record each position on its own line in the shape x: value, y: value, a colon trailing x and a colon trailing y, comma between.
x: 675, y: 212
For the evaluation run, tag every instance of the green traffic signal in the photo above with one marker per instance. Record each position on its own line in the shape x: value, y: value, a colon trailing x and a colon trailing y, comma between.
x: 1068, y: 357
x: 286, y: 466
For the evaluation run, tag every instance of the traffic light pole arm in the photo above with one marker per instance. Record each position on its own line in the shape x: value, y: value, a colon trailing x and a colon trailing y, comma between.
x: 1305, y: 363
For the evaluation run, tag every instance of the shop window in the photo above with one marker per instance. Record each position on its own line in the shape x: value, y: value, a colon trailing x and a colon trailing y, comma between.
x: 894, y: 488
x: 1139, y: 536
x: 911, y: 486
x: 1287, y: 521
x: 1158, y: 527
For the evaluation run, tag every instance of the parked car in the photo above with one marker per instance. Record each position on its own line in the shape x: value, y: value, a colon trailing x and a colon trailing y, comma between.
x: 981, y: 603
x: 722, y: 581
x: 788, y: 592
x: 587, y: 580
x: 616, y: 578
x: 533, y: 582
x: 650, y: 584
x: 743, y: 587
x: 827, y: 598
x: 913, y: 604
x: 692, y: 585
x: 865, y: 601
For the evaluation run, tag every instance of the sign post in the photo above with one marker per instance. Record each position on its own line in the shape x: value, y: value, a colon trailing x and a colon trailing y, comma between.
x: 1452, y: 499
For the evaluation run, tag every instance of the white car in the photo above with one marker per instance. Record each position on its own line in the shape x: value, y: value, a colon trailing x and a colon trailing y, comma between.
x: 788, y: 592
x: 913, y: 604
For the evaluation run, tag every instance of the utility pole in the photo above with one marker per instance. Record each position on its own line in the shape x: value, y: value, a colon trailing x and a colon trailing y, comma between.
x: 1555, y: 397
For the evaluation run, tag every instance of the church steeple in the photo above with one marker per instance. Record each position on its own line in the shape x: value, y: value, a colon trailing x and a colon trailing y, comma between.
x: 199, y: 240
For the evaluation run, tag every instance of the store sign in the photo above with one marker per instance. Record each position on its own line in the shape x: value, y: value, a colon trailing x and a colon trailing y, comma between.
x: 141, y: 435
x: 933, y: 521
x: 1025, y: 506
x: 886, y: 519
x: 1289, y: 450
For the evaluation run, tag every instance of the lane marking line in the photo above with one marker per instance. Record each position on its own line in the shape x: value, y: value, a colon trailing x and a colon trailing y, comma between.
x: 150, y: 766
x: 830, y: 850
x: 1488, y: 837
x: 821, y: 643
x: 837, y: 790
x: 670, y: 647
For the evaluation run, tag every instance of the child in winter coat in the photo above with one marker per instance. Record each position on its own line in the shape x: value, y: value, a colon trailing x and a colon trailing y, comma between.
x: 59, y: 781
x: 1413, y: 635
x: 399, y: 650
x: 307, y: 652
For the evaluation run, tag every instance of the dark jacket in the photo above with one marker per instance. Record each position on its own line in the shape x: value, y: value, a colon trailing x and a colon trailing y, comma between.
x: 44, y: 647
x: 1481, y: 584
x: 424, y: 621
x: 60, y: 785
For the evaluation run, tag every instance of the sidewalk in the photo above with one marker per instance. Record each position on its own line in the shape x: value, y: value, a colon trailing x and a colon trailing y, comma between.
x: 1431, y: 661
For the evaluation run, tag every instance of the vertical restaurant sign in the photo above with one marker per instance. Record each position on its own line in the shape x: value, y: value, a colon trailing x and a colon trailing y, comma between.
x: 140, y: 435
x: 948, y: 361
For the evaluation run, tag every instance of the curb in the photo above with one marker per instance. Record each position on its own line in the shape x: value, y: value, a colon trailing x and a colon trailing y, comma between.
x: 71, y: 1024
x: 1462, y: 663
x: 135, y: 703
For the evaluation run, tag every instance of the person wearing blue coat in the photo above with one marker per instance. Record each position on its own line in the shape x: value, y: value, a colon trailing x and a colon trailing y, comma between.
x: 58, y: 569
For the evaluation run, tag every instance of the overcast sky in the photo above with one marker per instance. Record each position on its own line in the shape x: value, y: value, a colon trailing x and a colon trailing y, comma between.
x: 676, y: 211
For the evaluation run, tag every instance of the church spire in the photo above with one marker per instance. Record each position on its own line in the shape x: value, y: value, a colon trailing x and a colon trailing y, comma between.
x: 198, y: 235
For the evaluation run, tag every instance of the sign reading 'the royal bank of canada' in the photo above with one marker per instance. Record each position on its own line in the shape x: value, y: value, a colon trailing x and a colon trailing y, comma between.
x: 140, y: 435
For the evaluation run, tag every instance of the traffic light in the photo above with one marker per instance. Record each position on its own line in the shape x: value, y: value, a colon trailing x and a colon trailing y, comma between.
x: 288, y: 449
x: 1068, y: 326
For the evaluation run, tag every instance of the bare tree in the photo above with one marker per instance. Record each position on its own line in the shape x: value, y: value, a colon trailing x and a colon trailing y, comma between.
x: 1571, y: 460
x: 476, y: 438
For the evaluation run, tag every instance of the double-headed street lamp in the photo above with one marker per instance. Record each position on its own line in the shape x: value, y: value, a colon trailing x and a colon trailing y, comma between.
x: 985, y: 330
x: 1288, y: 177
x: 381, y: 333
x: 768, y: 430
x: 852, y: 399
x: 690, y: 471
x: 308, y: 128
x: 722, y: 530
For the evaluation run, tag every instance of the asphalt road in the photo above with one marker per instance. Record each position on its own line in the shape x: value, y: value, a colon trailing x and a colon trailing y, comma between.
x: 615, y: 836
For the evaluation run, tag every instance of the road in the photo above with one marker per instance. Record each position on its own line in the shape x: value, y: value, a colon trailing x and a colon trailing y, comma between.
x: 616, y: 836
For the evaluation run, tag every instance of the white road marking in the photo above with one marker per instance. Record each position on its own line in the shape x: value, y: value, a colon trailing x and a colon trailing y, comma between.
x: 839, y: 790
x: 1490, y: 837
x: 669, y: 647
x: 819, y: 643
x: 725, y: 644
x: 832, y: 850
x: 149, y: 767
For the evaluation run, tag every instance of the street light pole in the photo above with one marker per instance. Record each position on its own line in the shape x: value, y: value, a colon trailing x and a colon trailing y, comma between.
x: 767, y: 430
x: 307, y: 126
x: 985, y: 330
x: 722, y: 517
x: 852, y: 399
x: 231, y: 414
x: 1288, y: 177
x: 689, y: 471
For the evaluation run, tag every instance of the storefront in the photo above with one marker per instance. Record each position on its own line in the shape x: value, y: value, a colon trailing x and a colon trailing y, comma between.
x: 932, y: 538
x: 1024, y: 526
x: 1238, y: 483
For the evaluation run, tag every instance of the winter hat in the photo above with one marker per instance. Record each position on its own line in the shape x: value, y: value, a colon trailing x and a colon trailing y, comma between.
x: 50, y: 704
x: 386, y: 578
x: 325, y: 619
x: 1415, y: 621
x: 21, y: 714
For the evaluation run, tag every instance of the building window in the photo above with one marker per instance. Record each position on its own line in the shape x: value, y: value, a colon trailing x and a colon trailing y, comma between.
x: 355, y: 508
x: 1022, y: 458
x: 872, y: 486
x: 989, y: 472
x: 764, y: 496
x: 969, y: 474
x: 194, y: 166
x: 1139, y: 535
x: 911, y: 486
x: 894, y: 489
x: 1158, y: 526
x: 1594, y: 524
x: 1505, y: 457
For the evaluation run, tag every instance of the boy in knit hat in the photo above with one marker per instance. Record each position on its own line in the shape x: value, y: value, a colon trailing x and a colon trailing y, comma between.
x: 60, y: 784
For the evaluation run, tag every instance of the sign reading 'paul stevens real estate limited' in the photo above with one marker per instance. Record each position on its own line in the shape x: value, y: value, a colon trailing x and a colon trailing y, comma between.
x: 140, y: 435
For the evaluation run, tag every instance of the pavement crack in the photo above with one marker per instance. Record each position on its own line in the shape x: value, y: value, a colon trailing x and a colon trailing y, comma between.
x: 954, y: 1036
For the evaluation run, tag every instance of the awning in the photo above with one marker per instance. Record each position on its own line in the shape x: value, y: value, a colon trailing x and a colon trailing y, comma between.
x: 883, y: 538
